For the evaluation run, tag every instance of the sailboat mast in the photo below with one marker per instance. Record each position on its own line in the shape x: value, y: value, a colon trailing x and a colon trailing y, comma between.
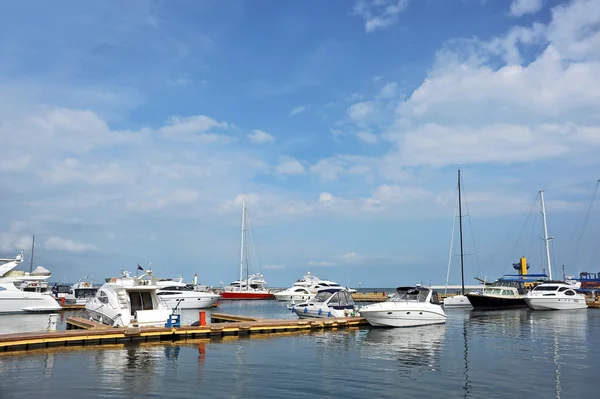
x: 242, y: 244
x: 32, y: 250
x: 462, y: 271
x: 546, y: 238
x: 246, y: 248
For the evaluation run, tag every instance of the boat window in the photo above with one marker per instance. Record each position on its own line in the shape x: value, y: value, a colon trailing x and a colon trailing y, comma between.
x: 335, y: 300
x: 140, y: 300
x: 102, y: 297
x: 569, y: 292
x: 546, y: 288
x: 323, y: 296
x: 62, y: 289
x: 507, y: 292
x: 562, y: 289
x: 497, y: 292
x: 435, y: 299
x: 85, y: 293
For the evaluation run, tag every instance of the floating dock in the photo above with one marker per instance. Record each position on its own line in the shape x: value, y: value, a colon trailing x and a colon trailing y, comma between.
x: 370, y: 296
x: 84, y: 332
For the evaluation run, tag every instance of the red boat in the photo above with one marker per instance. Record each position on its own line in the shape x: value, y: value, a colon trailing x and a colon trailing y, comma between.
x: 253, y: 286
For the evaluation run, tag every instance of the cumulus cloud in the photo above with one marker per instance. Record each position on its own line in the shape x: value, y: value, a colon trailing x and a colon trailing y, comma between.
x: 63, y: 244
x: 260, y: 136
x: 367, y: 137
x: 390, y: 90
x: 519, y: 8
x: 298, y: 110
x: 379, y: 14
x: 289, y: 166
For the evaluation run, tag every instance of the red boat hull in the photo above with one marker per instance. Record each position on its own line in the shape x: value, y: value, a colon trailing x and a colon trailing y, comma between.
x: 246, y: 295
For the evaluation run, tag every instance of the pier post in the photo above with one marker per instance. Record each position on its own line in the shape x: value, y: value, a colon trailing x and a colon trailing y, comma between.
x: 202, y: 318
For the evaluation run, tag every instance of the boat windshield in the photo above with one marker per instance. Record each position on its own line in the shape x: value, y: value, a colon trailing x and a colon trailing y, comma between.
x: 323, y: 296
x: 546, y: 288
x: 410, y: 294
x: 85, y: 292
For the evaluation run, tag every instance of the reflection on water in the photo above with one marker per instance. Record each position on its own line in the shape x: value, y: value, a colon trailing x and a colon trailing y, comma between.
x: 516, y: 353
x: 411, y: 347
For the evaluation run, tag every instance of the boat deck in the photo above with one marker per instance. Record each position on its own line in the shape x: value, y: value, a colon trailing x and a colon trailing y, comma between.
x: 83, y: 332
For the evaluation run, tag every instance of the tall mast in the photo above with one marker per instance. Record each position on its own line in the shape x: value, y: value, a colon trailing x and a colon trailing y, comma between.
x: 462, y: 271
x: 246, y: 248
x: 546, y: 238
x: 32, y: 249
x: 242, y: 244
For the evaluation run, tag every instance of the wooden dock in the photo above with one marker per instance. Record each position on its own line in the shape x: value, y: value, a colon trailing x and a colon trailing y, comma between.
x: 370, y: 296
x: 83, y: 332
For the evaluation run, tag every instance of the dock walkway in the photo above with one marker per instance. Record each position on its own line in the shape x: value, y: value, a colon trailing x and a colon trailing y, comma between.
x: 87, y: 332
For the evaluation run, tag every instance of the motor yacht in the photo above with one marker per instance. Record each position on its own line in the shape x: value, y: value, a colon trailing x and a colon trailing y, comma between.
x: 177, y: 294
x: 555, y: 296
x: 129, y: 301
x: 295, y: 294
x: 305, y: 288
x: 81, y: 292
x: 408, y: 307
x: 329, y: 302
x: 34, y: 296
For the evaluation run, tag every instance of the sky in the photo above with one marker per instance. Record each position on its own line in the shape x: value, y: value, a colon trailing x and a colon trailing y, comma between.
x: 131, y: 132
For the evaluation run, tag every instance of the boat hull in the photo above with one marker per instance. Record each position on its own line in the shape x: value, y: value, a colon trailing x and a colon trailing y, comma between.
x: 321, y: 313
x: 191, y: 302
x: 246, y: 295
x: 20, y: 302
x: 555, y: 303
x: 457, y: 301
x: 485, y: 302
x: 403, y: 317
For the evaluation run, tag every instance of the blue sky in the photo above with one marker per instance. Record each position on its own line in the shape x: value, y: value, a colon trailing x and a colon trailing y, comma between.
x: 132, y: 130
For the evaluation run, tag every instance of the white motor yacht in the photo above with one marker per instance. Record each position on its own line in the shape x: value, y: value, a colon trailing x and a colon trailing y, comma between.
x: 177, y: 294
x: 129, y: 301
x: 457, y: 301
x: 305, y: 288
x: 329, y: 302
x: 33, y: 298
x: 555, y: 296
x: 409, y: 307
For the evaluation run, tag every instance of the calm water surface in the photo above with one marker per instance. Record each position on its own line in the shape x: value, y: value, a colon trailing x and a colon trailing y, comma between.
x: 504, y: 354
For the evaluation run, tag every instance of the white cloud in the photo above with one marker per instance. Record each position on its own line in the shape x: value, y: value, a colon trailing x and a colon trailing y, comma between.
x: 157, y: 199
x: 367, y: 137
x: 289, y: 167
x: 390, y: 90
x: 349, y: 256
x: 379, y: 14
x: 326, y: 198
x: 14, y: 239
x: 360, y: 112
x: 519, y: 8
x: 298, y: 110
x: 195, y: 128
x: 273, y: 267
x: 63, y: 244
x: 315, y: 263
x: 71, y: 170
x: 260, y: 136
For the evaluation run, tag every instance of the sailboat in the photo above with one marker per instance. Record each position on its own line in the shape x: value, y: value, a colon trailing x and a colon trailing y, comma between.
x: 253, y: 286
x: 554, y: 295
x: 459, y: 300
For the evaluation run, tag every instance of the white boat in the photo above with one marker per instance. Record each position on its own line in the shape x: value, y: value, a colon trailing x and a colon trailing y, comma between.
x: 129, y: 301
x: 178, y: 295
x: 555, y: 296
x: 329, y: 302
x: 15, y: 300
x: 295, y: 294
x: 81, y: 292
x: 409, y: 307
x: 459, y: 300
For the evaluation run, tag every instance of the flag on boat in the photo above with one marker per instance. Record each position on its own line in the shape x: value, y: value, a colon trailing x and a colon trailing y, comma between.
x: 139, y: 267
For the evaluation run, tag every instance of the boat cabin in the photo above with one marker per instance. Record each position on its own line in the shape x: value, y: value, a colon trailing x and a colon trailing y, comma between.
x: 415, y: 294
x: 335, y: 298
x: 552, y: 290
x: 61, y: 290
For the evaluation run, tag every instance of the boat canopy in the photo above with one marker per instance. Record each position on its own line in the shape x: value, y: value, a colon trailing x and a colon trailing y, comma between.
x: 419, y: 294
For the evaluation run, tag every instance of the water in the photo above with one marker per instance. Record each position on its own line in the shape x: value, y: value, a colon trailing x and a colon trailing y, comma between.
x: 503, y: 354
